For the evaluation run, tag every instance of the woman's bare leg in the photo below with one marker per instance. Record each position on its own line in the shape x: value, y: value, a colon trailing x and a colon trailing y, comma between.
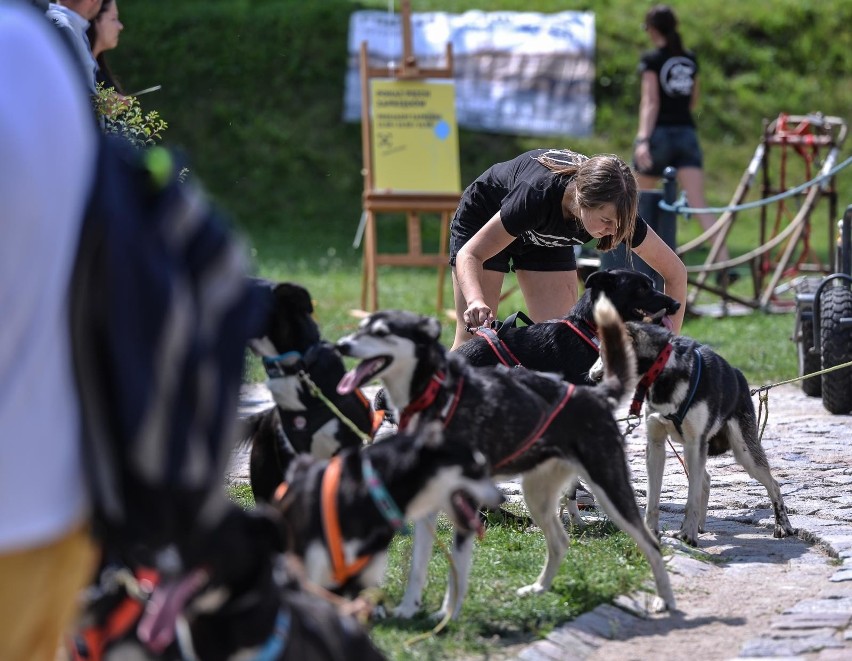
x: 548, y: 294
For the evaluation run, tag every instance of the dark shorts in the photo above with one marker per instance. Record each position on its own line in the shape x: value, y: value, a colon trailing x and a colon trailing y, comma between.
x: 518, y: 256
x: 675, y: 146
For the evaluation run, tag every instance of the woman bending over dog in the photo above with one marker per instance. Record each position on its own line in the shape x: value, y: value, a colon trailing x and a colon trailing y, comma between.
x: 527, y: 214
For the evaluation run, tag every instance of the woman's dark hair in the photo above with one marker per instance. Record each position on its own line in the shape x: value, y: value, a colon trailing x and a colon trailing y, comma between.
x: 600, y: 180
x: 104, y: 74
x: 662, y: 18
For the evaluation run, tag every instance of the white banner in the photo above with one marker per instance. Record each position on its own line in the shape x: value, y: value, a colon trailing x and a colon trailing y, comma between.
x: 522, y: 73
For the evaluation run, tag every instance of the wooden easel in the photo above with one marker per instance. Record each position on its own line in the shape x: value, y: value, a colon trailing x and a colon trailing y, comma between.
x: 412, y: 204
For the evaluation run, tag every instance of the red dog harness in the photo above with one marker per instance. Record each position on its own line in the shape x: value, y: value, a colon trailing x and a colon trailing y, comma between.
x: 543, y: 423
x: 648, y: 379
x: 507, y: 358
x: 428, y: 396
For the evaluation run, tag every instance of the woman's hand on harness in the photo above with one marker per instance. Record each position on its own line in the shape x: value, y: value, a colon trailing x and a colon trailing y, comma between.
x: 477, y: 314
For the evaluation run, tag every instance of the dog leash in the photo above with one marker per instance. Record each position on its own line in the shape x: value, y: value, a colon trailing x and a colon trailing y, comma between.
x: 316, y: 392
x: 454, y: 577
x: 763, y: 393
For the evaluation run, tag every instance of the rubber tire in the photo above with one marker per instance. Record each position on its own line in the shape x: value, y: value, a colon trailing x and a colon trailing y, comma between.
x: 835, y: 304
x: 809, y: 362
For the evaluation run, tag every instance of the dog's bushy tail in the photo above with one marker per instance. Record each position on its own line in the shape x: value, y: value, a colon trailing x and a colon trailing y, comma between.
x: 617, y: 355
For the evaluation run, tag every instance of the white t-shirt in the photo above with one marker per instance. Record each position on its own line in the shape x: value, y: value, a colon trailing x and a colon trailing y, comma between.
x: 47, y: 155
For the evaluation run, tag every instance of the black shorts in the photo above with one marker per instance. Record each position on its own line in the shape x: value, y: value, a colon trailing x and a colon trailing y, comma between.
x: 675, y: 146
x: 520, y: 256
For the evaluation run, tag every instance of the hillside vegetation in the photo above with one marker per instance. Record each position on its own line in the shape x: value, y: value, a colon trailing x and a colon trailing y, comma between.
x: 253, y: 91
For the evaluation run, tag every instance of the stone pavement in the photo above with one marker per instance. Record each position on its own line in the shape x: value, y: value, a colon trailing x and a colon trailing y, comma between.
x: 743, y: 594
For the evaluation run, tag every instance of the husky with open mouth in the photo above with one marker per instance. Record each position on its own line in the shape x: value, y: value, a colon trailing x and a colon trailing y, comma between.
x: 524, y: 422
x: 340, y: 515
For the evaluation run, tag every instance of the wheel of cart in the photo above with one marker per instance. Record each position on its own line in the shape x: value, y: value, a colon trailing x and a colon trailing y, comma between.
x: 832, y: 325
x: 803, y: 335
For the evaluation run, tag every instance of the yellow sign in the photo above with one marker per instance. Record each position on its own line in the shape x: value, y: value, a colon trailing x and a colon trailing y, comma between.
x: 415, y: 138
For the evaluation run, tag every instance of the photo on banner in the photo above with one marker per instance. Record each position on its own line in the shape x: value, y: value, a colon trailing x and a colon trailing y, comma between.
x: 520, y: 73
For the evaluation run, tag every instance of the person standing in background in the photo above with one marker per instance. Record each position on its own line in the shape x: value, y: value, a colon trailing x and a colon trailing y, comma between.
x: 103, y: 34
x: 667, y: 133
x: 47, y: 166
x: 72, y: 18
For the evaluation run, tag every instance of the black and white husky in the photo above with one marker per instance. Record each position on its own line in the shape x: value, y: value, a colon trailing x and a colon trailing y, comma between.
x: 340, y: 515
x: 524, y: 422
x: 698, y: 399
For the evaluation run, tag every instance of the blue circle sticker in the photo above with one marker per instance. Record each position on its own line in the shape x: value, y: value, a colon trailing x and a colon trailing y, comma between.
x: 442, y: 130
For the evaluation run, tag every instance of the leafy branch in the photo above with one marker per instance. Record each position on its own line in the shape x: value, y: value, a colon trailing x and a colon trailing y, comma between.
x: 122, y: 115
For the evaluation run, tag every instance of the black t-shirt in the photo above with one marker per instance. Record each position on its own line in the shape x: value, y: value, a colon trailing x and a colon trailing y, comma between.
x: 675, y: 82
x: 529, y: 198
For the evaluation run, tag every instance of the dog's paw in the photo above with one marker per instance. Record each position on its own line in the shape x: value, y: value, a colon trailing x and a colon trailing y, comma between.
x: 406, y: 611
x: 687, y: 538
x: 784, y: 531
x: 438, y: 615
x: 535, y: 588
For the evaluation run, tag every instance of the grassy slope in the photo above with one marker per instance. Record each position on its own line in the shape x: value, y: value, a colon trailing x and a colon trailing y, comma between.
x: 253, y: 91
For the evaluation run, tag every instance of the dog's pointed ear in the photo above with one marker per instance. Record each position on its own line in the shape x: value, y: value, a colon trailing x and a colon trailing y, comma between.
x: 294, y: 297
x: 431, y: 327
x: 599, y: 280
x: 431, y: 435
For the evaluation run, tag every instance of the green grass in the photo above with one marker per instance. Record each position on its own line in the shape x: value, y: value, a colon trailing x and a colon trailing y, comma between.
x: 602, y: 563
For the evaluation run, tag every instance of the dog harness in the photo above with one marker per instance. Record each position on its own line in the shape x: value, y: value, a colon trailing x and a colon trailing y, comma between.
x: 342, y: 571
x: 651, y: 375
x: 543, y: 423
x: 90, y: 643
x: 427, y: 398
x: 498, y: 346
x: 588, y: 334
x: 505, y: 355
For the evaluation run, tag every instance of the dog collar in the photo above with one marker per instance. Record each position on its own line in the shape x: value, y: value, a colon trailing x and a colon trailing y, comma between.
x: 277, y: 642
x: 648, y: 379
x: 284, y: 364
x: 430, y: 395
x: 383, y: 500
x: 423, y: 400
x: 588, y: 334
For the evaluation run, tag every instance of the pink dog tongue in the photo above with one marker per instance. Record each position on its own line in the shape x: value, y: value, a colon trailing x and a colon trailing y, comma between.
x: 667, y: 322
x: 157, y: 627
x: 358, y: 375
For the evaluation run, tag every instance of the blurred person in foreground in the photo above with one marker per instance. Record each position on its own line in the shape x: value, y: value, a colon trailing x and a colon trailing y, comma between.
x: 47, y: 159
